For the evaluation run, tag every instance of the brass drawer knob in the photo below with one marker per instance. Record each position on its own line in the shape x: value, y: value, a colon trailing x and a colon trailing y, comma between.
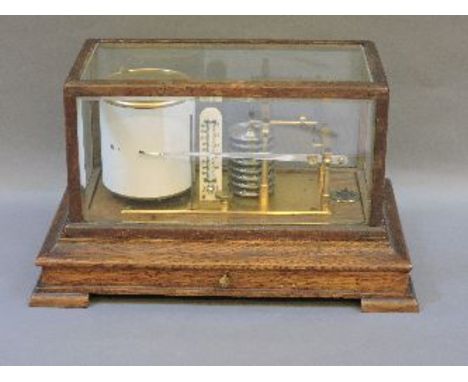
x: 225, y: 281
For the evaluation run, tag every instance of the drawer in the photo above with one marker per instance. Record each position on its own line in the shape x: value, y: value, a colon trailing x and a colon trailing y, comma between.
x: 247, y: 283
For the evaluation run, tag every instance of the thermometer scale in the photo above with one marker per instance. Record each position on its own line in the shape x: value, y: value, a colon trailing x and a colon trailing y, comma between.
x: 211, y: 165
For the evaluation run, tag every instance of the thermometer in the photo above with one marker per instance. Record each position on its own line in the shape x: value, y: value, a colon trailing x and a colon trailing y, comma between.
x: 210, y: 147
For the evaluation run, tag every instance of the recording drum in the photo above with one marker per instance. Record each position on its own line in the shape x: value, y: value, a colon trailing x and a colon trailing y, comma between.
x: 131, y: 128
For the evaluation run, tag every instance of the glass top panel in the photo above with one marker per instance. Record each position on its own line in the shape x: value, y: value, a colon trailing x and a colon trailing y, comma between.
x: 221, y: 62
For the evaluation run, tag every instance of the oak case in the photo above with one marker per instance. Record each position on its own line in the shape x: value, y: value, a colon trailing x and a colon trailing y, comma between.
x: 328, y: 259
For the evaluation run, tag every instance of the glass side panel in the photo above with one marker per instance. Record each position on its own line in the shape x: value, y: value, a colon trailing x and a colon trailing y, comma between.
x: 228, y: 62
x: 176, y: 160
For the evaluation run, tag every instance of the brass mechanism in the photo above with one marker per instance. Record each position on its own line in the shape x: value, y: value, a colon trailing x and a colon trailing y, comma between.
x: 324, y: 182
x: 265, y: 178
x: 324, y: 161
x: 252, y: 174
x: 155, y: 74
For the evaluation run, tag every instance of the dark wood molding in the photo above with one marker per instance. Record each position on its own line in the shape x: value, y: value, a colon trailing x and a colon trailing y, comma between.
x: 378, y: 170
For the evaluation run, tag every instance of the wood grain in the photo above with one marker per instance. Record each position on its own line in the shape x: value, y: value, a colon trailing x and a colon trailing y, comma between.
x: 235, y: 254
x: 406, y: 304
x: 59, y: 299
x: 376, y: 271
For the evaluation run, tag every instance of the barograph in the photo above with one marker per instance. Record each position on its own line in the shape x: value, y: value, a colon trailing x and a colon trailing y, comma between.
x: 229, y: 168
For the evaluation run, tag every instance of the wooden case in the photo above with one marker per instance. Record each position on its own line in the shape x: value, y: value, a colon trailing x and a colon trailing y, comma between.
x: 364, y: 262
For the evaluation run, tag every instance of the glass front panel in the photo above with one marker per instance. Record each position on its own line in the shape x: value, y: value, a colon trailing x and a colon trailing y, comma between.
x: 166, y: 160
x: 228, y: 62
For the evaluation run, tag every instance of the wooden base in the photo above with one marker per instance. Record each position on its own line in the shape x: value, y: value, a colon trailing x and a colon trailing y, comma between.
x: 406, y: 304
x: 58, y: 300
x: 367, y: 264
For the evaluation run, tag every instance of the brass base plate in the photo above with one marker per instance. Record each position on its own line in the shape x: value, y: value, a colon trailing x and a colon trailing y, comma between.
x: 294, y: 201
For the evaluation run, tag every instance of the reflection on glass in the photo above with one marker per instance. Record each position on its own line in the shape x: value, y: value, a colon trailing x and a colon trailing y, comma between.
x: 221, y: 161
x: 231, y: 62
